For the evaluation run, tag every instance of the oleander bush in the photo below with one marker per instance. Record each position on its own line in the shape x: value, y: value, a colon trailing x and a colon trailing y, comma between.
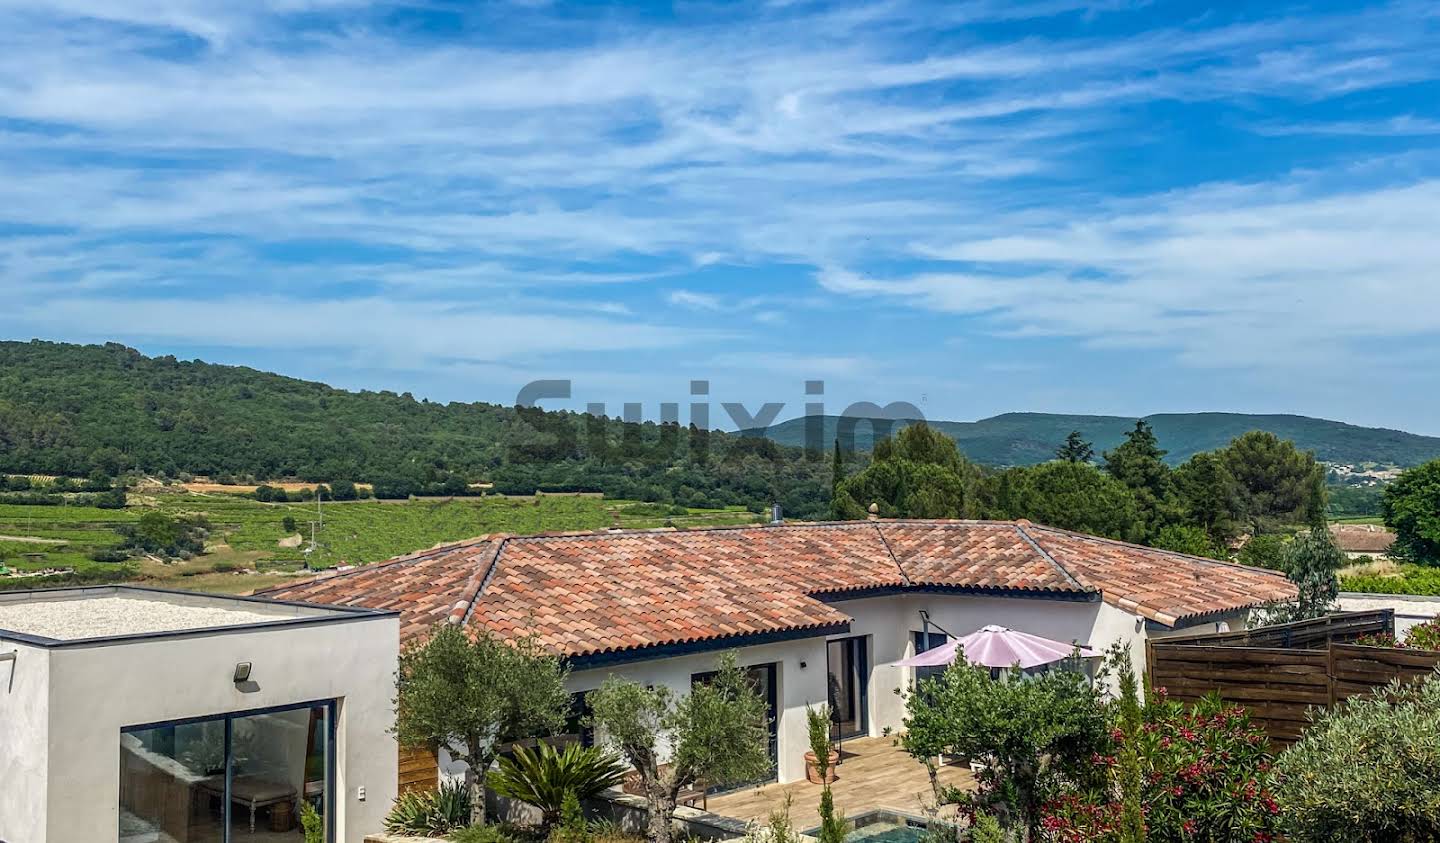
x: 1205, y: 774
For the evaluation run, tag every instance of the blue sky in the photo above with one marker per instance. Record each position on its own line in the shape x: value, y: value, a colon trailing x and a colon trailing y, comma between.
x: 1112, y: 207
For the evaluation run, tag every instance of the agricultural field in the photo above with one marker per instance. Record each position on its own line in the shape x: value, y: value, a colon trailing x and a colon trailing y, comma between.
x: 1387, y: 577
x: 249, y: 547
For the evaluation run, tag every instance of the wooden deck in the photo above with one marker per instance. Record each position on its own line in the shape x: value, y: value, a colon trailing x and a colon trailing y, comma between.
x: 873, y: 773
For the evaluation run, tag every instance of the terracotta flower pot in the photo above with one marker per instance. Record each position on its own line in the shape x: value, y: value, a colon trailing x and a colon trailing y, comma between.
x: 812, y: 768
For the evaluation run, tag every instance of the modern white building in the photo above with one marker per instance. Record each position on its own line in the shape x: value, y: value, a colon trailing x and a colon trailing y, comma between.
x: 818, y: 612
x: 132, y: 715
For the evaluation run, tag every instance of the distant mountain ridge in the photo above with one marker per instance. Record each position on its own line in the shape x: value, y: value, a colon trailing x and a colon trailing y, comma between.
x: 1029, y: 438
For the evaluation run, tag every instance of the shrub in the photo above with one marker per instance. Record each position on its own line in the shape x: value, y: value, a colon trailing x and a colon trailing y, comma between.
x: 109, y: 554
x: 547, y: 777
x: 311, y: 823
x: 484, y: 834
x: 1425, y: 636
x: 1033, y: 734
x: 433, y: 812
x: 572, y: 828
x: 1206, y: 776
x: 1367, y: 770
x: 986, y: 829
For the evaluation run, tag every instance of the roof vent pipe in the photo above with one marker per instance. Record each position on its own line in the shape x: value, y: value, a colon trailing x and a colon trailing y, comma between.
x: 776, y: 515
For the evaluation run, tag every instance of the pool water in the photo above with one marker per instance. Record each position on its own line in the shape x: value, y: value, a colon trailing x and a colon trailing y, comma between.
x: 883, y: 827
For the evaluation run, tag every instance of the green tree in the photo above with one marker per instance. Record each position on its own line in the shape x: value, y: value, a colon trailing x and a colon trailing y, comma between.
x: 1138, y: 462
x: 1183, y: 538
x: 1411, y: 506
x: 1367, y: 770
x: 837, y: 472
x: 833, y: 827
x: 1130, y: 720
x: 1267, y: 551
x: 1278, y: 484
x: 1033, y: 733
x: 1075, y: 449
x: 718, y: 732
x: 1071, y: 496
x: 472, y: 695
x: 920, y: 473
x: 1210, y: 497
x: 1311, y: 563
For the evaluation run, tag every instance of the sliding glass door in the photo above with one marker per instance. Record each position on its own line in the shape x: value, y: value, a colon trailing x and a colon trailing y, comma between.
x: 235, y: 777
x: 849, y: 681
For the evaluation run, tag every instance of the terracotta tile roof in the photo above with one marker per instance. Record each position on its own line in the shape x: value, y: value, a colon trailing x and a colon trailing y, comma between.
x: 1362, y: 538
x: 979, y: 554
x: 426, y: 587
x: 594, y: 593
x: 1160, y: 585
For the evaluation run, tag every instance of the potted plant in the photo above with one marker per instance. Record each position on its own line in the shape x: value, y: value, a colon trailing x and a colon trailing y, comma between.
x: 819, y: 724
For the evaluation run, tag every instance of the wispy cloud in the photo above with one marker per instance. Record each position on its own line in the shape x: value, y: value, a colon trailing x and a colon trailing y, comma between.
x: 1226, y: 276
x: 573, y: 181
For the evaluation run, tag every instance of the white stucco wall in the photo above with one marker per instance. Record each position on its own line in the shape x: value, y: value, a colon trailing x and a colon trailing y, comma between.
x: 24, y: 731
x: 797, y: 686
x: 1410, y: 609
x: 887, y: 623
x: 95, y: 691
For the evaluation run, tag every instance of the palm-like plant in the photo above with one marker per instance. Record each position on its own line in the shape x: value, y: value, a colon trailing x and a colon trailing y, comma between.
x: 542, y: 778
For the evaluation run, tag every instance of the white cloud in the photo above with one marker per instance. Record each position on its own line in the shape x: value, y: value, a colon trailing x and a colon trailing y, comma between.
x: 1243, y: 276
x: 211, y: 152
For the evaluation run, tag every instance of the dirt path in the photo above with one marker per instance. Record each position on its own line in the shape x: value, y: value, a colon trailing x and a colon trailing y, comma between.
x: 32, y: 540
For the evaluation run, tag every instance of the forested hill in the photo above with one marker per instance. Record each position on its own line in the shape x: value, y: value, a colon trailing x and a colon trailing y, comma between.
x: 1029, y: 438
x: 74, y: 410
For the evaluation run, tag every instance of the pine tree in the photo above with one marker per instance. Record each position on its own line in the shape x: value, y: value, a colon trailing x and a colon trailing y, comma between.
x: 1139, y: 463
x: 1076, y: 449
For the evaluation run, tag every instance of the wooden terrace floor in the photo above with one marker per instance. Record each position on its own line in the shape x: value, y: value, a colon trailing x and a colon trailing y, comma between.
x: 873, y: 773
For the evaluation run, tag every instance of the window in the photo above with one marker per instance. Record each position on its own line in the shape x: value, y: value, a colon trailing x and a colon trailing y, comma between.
x: 224, y: 778
x: 936, y: 639
x: 577, y: 724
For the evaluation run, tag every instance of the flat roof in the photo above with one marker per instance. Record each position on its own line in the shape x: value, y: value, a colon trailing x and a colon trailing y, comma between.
x: 67, y: 616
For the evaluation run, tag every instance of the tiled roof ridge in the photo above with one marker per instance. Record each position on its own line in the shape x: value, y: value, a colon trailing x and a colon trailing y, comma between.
x: 611, y: 532
x: 904, y: 577
x: 798, y: 525
x: 475, y: 585
x: 1220, y: 563
x: 1020, y: 527
x: 369, y: 567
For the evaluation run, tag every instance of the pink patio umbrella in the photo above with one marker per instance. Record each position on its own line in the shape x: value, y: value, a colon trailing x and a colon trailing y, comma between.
x: 996, y: 646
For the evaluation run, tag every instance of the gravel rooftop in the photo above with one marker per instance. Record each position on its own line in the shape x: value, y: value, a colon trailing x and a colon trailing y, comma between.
x: 92, y: 617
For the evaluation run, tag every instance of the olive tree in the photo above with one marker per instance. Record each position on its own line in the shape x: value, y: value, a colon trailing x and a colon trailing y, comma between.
x: 1032, y: 733
x: 718, y: 734
x: 472, y: 695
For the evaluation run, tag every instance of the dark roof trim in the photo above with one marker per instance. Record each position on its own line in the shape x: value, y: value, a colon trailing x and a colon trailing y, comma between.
x: 707, y: 645
x: 331, y: 615
x: 1087, y: 596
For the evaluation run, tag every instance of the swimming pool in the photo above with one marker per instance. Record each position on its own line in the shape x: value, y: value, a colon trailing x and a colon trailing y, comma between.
x: 883, y: 827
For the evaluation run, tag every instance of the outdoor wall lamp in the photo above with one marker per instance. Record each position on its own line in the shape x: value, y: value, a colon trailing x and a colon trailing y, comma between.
x: 242, y: 672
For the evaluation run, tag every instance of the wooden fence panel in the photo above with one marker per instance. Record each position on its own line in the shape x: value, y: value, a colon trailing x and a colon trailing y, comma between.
x: 419, y: 769
x: 1279, y: 686
x: 1360, y: 670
